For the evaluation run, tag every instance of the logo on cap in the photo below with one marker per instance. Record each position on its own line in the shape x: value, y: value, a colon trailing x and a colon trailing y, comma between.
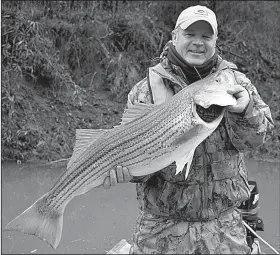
x: 200, y: 12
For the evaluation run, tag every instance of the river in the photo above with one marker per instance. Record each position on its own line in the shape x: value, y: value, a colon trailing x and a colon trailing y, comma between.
x: 96, y: 221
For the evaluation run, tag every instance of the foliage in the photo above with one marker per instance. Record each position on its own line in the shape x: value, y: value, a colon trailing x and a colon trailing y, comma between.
x: 70, y: 64
x: 248, y: 38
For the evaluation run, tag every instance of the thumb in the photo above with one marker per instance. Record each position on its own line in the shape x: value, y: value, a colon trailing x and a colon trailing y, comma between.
x: 235, y: 89
x: 107, y: 183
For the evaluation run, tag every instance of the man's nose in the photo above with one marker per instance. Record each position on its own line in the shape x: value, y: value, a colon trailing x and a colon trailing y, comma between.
x: 198, y: 42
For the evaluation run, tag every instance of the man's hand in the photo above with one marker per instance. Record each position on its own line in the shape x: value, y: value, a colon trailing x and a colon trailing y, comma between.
x: 242, y: 98
x: 120, y: 175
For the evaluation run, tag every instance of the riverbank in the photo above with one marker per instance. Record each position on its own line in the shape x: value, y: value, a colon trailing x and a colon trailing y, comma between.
x: 69, y: 65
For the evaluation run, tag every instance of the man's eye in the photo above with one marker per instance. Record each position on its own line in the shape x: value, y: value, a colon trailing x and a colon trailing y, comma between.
x: 207, y: 37
x: 190, y: 34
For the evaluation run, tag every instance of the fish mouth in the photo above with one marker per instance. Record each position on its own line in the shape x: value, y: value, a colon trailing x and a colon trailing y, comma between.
x: 209, y: 114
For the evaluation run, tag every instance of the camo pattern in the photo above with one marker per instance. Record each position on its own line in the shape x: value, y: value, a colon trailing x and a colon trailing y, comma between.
x: 159, y: 235
x: 195, y: 216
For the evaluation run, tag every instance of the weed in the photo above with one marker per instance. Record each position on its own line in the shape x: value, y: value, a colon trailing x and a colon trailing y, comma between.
x: 60, y: 57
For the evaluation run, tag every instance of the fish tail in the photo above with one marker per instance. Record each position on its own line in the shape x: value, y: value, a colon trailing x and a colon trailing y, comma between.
x: 41, y: 221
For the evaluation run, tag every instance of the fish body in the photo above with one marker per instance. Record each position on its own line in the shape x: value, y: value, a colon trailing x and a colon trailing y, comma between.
x: 149, y: 138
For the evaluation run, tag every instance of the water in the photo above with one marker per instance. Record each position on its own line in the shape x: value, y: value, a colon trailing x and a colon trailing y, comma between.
x: 96, y: 221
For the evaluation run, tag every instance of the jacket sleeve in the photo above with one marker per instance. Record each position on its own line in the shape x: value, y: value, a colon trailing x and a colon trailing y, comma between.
x: 140, y: 93
x: 254, y: 126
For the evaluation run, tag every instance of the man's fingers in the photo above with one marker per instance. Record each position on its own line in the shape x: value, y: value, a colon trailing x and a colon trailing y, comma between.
x: 107, y: 183
x: 126, y: 175
x: 234, y: 108
x: 235, y: 89
x: 113, y: 178
x: 240, y: 107
x: 120, y: 174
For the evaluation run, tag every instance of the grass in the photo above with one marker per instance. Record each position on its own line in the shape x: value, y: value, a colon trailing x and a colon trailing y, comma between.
x: 79, y: 59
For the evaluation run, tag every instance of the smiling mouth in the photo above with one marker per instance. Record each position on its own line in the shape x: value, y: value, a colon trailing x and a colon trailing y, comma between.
x: 197, y: 52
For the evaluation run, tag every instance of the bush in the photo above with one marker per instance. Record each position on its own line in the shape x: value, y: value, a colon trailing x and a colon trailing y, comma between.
x: 67, y: 52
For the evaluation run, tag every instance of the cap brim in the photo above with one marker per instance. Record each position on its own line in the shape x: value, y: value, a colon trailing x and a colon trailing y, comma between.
x: 187, y: 23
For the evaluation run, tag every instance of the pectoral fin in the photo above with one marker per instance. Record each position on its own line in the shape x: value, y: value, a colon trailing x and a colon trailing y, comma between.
x: 189, y: 160
x: 186, y: 159
x: 84, y: 138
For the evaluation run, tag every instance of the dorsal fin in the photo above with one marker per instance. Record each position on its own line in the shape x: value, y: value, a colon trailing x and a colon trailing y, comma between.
x: 84, y: 137
x: 136, y: 111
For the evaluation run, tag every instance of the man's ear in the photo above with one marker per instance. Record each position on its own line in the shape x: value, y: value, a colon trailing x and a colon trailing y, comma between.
x: 216, y: 38
x: 174, y: 36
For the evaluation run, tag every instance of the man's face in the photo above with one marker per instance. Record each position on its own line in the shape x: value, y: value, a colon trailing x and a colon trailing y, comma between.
x: 196, y: 44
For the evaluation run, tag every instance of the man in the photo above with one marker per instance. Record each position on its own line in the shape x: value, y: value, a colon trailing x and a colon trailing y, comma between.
x: 197, y: 215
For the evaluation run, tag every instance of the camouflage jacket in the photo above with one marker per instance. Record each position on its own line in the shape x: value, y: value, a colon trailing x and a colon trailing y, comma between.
x: 217, y: 181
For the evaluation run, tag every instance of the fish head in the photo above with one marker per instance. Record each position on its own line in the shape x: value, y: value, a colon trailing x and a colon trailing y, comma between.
x: 211, y: 97
x: 212, y: 90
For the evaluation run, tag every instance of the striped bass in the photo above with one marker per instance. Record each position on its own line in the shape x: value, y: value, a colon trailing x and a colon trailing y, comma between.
x: 149, y: 138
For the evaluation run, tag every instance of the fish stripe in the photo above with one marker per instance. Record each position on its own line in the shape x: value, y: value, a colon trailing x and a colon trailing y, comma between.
x: 81, y: 172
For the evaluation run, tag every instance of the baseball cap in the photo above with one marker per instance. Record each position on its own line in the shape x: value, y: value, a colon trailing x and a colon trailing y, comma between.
x: 196, y: 13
